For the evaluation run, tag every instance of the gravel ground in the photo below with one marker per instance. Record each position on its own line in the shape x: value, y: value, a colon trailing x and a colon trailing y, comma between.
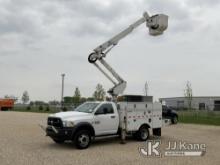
x: 22, y: 142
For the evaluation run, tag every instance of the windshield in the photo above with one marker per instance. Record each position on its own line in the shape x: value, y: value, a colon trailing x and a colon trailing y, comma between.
x: 87, y: 107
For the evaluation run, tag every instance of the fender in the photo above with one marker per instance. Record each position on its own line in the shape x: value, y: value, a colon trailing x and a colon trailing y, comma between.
x: 83, y: 125
x: 144, y: 125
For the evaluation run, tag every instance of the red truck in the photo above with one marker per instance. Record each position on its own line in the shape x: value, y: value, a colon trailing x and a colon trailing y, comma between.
x: 6, y: 104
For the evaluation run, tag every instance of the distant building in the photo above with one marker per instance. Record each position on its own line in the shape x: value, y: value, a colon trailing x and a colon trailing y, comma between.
x: 200, y: 102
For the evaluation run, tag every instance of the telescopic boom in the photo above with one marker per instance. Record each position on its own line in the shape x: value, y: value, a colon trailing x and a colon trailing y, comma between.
x: 156, y: 25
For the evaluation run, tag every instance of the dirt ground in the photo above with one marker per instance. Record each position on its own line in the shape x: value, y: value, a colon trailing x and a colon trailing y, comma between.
x: 22, y: 142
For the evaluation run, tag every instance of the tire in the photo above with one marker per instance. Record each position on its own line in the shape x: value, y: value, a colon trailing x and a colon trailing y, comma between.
x: 82, y: 139
x: 174, y: 120
x: 143, y: 133
x: 58, y: 141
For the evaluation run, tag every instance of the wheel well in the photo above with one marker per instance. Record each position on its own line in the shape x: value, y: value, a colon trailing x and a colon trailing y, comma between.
x: 144, y: 125
x: 85, y: 127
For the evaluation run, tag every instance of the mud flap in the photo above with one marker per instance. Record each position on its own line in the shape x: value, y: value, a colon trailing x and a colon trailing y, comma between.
x: 157, y: 131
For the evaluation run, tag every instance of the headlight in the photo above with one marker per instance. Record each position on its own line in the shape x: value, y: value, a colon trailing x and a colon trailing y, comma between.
x: 68, y: 123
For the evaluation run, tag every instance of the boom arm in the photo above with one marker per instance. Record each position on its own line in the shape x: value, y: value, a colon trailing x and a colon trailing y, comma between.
x: 114, y: 40
x: 156, y: 24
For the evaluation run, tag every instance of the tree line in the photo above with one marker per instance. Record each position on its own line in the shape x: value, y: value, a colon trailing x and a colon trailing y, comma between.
x: 98, y: 95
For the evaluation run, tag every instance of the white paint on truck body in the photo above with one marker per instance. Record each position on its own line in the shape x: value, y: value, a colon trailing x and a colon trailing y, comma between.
x: 139, y: 113
x: 132, y: 114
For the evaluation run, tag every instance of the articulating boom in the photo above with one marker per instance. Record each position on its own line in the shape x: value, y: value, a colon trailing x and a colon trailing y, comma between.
x: 156, y: 24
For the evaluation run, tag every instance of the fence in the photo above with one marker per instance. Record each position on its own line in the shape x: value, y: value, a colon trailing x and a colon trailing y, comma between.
x: 200, y: 117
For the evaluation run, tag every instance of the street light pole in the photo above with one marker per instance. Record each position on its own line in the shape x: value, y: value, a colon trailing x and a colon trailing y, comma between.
x: 62, y: 90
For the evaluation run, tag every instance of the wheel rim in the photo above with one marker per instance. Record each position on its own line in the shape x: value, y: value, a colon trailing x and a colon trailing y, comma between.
x: 144, y: 134
x: 175, y: 120
x: 83, y: 140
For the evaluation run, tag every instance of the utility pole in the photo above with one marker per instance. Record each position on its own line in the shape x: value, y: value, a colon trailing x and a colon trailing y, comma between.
x: 146, y: 88
x: 62, y: 90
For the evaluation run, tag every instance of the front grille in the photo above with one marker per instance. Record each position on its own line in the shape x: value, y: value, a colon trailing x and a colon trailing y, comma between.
x: 53, y: 121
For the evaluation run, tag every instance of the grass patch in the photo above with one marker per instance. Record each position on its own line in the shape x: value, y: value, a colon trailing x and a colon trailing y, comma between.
x: 200, y: 117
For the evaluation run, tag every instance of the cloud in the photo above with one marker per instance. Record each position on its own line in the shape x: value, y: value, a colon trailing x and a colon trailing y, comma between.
x: 105, y: 11
x: 203, y: 3
x: 41, y: 39
x: 20, y: 18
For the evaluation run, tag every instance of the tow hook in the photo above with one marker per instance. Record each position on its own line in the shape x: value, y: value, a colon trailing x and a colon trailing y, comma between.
x: 43, y: 127
x: 54, y: 129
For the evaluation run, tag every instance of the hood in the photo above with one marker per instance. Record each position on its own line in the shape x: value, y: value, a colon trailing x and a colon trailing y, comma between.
x: 70, y: 114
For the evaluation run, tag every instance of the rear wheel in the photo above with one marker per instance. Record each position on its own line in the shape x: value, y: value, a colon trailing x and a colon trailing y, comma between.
x: 82, y: 139
x: 143, y: 133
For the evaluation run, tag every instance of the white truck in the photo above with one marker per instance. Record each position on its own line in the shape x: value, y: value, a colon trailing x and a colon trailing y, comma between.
x: 135, y: 115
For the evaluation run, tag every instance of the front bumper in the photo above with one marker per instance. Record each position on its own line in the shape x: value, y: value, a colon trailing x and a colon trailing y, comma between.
x: 65, y: 133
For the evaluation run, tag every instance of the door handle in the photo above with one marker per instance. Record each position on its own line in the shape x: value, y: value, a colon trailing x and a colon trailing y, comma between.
x: 112, y: 117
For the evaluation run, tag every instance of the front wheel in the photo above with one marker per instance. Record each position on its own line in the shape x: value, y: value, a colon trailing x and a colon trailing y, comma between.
x: 143, y: 133
x: 82, y: 139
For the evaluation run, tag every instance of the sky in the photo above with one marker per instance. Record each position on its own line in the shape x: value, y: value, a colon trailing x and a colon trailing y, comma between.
x: 41, y: 39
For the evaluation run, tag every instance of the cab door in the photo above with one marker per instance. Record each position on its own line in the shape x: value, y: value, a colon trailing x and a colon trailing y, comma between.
x: 106, y: 120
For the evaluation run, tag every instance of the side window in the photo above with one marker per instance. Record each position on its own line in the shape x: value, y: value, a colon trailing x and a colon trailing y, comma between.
x: 110, y: 109
x: 118, y: 106
x: 105, y: 109
x: 100, y: 110
x: 164, y: 109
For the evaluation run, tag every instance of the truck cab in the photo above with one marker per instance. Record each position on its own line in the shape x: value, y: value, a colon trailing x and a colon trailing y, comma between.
x: 94, y: 119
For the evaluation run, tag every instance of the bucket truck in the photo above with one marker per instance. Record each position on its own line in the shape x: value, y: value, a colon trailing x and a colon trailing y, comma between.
x: 133, y: 115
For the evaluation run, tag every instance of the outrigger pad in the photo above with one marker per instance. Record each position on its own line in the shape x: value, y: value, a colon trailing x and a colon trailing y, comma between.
x: 157, y: 131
